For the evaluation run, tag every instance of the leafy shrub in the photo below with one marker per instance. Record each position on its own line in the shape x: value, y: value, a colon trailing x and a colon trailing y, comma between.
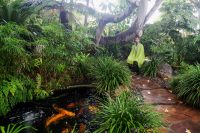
x: 187, y: 86
x: 192, y: 43
x: 109, y: 74
x: 13, y: 91
x: 150, y: 68
x: 14, y: 128
x: 126, y: 114
x: 32, y: 65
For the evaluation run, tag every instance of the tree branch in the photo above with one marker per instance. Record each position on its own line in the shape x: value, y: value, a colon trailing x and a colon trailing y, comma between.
x: 85, y: 9
x: 113, y: 19
x: 136, y: 27
x: 153, y: 9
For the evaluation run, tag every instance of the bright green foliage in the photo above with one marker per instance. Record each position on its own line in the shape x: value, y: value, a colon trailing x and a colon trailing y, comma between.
x: 187, y: 85
x: 14, y: 128
x: 169, y: 38
x: 10, y: 10
x: 33, y: 65
x: 15, y: 87
x: 109, y: 74
x: 150, y: 68
x: 13, y: 91
x: 178, y: 14
x: 126, y: 114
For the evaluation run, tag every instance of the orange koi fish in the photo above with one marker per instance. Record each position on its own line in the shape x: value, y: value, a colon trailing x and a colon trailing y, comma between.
x: 54, y: 118
x: 63, y: 111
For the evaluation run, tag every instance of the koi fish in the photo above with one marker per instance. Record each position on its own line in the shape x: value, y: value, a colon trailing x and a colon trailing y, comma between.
x: 63, y: 111
x: 54, y: 118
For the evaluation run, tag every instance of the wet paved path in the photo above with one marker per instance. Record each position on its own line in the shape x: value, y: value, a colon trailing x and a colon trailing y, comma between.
x: 180, y: 118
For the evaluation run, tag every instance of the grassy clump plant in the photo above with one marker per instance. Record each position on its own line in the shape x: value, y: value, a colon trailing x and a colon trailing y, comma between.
x: 14, y: 128
x: 150, y: 68
x: 109, y: 74
x: 126, y: 114
x: 187, y: 85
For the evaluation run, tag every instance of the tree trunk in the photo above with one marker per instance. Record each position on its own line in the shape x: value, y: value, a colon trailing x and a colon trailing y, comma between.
x: 113, y: 19
x: 126, y: 36
x: 86, y: 15
x: 135, y: 28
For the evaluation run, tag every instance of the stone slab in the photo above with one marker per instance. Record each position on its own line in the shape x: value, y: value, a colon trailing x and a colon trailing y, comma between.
x: 159, y: 96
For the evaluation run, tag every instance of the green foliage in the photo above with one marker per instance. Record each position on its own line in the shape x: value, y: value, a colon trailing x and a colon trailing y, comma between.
x: 126, y: 114
x: 32, y: 65
x: 20, y: 11
x: 192, y: 43
x: 14, y: 128
x: 13, y: 91
x: 114, y: 50
x: 10, y: 10
x: 109, y: 74
x: 170, y: 38
x: 187, y: 85
x: 150, y: 68
x: 179, y: 14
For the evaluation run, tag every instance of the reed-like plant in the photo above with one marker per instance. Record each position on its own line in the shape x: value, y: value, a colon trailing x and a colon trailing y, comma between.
x: 187, y: 85
x: 126, y: 114
x: 150, y: 68
x: 14, y: 128
x: 109, y: 74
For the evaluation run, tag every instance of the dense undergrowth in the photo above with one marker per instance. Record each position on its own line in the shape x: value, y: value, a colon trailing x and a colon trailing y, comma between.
x: 187, y: 85
x: 43, y: 56
x: 34, y: 64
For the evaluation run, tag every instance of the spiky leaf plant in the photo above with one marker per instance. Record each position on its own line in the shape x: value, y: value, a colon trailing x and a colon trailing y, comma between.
x: 126, y: 114
x: 150, y: 68
x: 109, y: 74
x: 187, y: 86
x: 14, y: 128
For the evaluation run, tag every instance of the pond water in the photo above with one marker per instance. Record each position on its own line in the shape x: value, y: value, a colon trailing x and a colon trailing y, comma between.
x: 58, y: 114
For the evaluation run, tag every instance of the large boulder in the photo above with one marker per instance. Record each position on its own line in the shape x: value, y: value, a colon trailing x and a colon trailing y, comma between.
x: 165, y: 71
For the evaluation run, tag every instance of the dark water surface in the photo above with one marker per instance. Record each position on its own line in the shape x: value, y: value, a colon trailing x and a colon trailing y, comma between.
x: 79, y: 101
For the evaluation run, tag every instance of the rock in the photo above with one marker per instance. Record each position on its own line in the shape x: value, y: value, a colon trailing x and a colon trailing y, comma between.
x: 165, y: 71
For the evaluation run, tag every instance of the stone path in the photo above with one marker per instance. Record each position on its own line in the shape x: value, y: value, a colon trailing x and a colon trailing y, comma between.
x: 180, y: 118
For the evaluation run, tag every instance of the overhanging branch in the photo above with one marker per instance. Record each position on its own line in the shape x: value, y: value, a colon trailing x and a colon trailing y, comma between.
x: 153, y: 9
x: 136, y: 27
x: 113, y: 19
